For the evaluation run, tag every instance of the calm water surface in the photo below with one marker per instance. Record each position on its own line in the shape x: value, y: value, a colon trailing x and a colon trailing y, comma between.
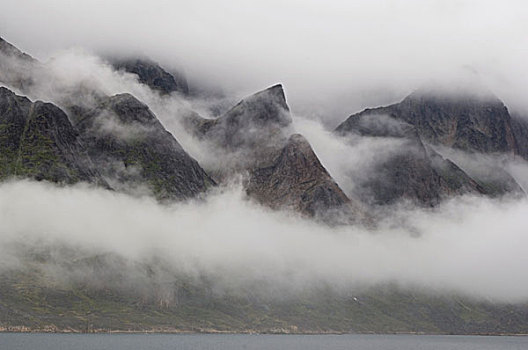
x: 13, y: 341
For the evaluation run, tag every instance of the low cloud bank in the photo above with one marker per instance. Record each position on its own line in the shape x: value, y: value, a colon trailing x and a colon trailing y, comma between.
x: 468, y: 245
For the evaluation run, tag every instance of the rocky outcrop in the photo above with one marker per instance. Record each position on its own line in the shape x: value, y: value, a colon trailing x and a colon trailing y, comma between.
x: 38, y: 141
x: 153, y: 75
x: 412, y: 172
x: 296, y: 179
x: 473, y: 122
x: 283, y: 171
x: 259, y: 121
x: 520, y: 132
x: 133, y: 150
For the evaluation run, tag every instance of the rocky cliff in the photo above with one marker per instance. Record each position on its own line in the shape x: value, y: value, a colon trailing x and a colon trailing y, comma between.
x: 153, y: 75
x: 132, y: 149
x: 283, y: 171
x: 467, y: 122
x: 412, y: 171
x: 38, y: 141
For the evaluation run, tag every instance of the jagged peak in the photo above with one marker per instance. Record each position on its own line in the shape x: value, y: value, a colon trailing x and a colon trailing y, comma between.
x: 299, y: 141
x: 264, y: 108
x: 126, y: 97
x: 298, y: 147
x: 274, y: 92
x: 152, y: 74
x: 128, y: 108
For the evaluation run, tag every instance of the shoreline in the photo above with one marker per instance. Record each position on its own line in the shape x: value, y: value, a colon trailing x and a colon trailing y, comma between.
x: 52, y: 330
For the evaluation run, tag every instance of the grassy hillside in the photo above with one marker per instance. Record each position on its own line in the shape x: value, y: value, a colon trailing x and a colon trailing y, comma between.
x: 29, y: 300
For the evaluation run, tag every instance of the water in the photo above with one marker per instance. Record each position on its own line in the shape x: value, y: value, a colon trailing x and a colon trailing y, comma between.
x: 14, y: 341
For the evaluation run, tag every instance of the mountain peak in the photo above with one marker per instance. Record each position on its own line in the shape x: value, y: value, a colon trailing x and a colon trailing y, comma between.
x: 153, y: 75
x: 264, y: 108
x: 275, y: 93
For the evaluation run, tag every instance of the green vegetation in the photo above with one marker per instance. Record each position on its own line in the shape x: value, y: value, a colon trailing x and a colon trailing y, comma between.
x: 28, y: 299
x: 8, y: 156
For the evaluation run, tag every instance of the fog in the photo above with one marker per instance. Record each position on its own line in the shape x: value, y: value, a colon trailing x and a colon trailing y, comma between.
x: 334, y: 58
x: 470, y: 245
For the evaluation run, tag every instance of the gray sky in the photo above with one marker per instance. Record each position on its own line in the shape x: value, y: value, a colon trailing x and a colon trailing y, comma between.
x: 334, y: 57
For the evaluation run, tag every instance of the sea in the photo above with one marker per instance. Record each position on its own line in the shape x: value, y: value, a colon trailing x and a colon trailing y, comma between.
x: 46, y: 341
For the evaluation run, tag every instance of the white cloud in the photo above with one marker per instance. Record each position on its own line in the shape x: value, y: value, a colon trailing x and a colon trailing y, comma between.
x: 469, y: 245
x: 334, y: 57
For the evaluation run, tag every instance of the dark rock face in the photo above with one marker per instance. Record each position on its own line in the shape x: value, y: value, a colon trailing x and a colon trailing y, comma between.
x: 296, y: 179
x: 38, y: 141
x: 258, y: 121
x: 131, y: 147
x: 412, y: 172
x: 469, y: 123
x: 284, y: 172
x: 520, y: 132
x: 152, y: 75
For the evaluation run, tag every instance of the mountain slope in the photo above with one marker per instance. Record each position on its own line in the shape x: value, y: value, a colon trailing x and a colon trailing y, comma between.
x: 29, y: 300
x: 283, y: 171
x: 296, y: 179
x: 153, y: 75
x: 466, y: 122
x: 38, y: 141
x: 133, y: 149
x: 412, y: 171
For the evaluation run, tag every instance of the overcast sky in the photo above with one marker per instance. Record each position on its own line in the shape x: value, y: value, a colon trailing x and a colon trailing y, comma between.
x: 334, y: 57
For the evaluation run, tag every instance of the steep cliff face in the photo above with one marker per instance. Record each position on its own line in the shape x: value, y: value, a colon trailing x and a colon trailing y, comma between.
x: 153, y: 75
x: 132, y: 148
x: 260, y: 120
x: 520, y: 132
x: 38, y: 141
x: 283, y: 171
x: 472, y: 122
x: 469, y: 123
x: 296, y: 179
x: 412, y: 172
x: 465, y: 121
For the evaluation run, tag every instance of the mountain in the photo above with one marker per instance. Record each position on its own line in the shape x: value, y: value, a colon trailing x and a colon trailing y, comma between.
x: 412, y: 171
x: 466, y: 122
x: 283, y: 171
x: 520, y: 132
x: 16, y: 67
x: 38, y: 141
x: 153, y: 75
x: 296, y: 179
x: 132, y: 149
x: 119, y: 137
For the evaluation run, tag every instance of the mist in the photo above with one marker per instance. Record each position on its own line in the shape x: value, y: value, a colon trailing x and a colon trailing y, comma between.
x: 334, y: 58
x: 470, y: 246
